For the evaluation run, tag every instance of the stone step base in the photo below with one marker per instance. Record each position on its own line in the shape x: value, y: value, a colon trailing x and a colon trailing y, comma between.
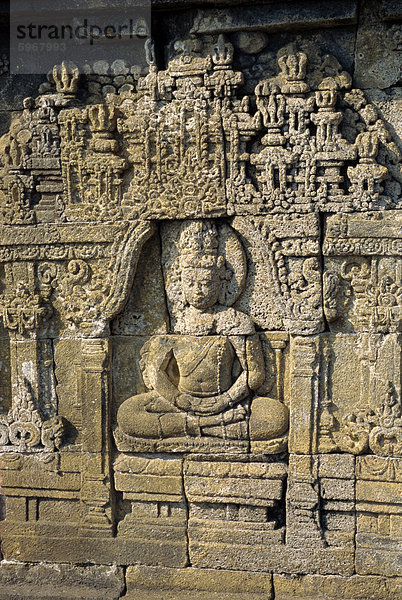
x: 44, y: 581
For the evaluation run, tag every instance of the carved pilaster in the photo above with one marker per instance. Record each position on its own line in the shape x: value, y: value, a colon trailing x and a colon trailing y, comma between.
x: 304, y: 394
x: 95, y: 491
x: 303, y: 503
x: 31, y: 424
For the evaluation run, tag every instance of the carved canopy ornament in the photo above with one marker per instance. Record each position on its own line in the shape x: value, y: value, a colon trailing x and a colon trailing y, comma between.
x: 187, y: 143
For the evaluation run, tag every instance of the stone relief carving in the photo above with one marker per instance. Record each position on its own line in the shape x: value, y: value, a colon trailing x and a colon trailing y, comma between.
x: 119, y: 158
x: 378, y: 430
x: 24, y: 429
x: 362, y: 283
x: 214, y: 409
x: 201, y: 378
x: 294, y: 273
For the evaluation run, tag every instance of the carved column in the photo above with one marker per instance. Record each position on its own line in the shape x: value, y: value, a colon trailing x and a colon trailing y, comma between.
x: 304, y: 395
x: 278, y: 347
x: 303, y: 503
x: 22, y: 311
x: 303, y: 500
x: 95, y: 491
x: 24, y: 361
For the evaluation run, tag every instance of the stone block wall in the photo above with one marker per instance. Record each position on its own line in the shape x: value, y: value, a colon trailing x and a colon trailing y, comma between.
x: 200, y: 311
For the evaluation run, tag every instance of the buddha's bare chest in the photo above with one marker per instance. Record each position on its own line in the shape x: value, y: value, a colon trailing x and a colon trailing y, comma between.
x: 204, y: 364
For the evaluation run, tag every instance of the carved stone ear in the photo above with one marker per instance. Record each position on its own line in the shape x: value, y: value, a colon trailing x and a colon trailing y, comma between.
x: 231, y: 249
x: 220, y: 262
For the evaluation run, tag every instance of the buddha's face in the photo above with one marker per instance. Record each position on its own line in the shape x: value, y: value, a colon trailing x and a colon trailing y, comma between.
x: 201, y: 286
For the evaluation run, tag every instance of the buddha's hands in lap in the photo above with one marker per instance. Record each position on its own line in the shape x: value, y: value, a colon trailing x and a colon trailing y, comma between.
x: 213, y: 405
x: 203, y: 406
x: 233, y: 415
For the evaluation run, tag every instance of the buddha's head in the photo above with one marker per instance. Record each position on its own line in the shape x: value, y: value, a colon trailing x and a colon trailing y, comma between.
x: 200, y: 264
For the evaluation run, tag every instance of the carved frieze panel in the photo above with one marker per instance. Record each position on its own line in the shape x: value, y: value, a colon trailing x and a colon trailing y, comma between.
x: 186, y: 142
x: 362, y: 275
x: 57, y: 282
x: 362, y: 295
x: 284, y: 268
x: 200, y: 306
x: 364, y: 416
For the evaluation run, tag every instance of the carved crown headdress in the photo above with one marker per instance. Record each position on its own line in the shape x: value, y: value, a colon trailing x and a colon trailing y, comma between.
x: 198, y: 244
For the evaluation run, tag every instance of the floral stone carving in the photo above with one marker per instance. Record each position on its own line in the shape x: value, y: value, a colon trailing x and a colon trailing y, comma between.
x: 24, y: 428
x: 378, y: 430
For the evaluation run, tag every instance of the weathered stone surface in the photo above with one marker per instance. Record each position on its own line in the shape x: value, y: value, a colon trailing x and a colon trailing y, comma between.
x: 279, y: 16
x: 316, y: 587
x: 22, y: 581
x: 184, y: 584
x: 378, y: 48
x: 388, y: 103
x: 200, y: 312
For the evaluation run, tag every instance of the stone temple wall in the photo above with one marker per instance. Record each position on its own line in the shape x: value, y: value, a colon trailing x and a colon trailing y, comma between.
x: 200, y: 302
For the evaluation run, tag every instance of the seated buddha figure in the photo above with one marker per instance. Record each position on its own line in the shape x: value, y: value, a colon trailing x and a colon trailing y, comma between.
x: 201, y: 379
